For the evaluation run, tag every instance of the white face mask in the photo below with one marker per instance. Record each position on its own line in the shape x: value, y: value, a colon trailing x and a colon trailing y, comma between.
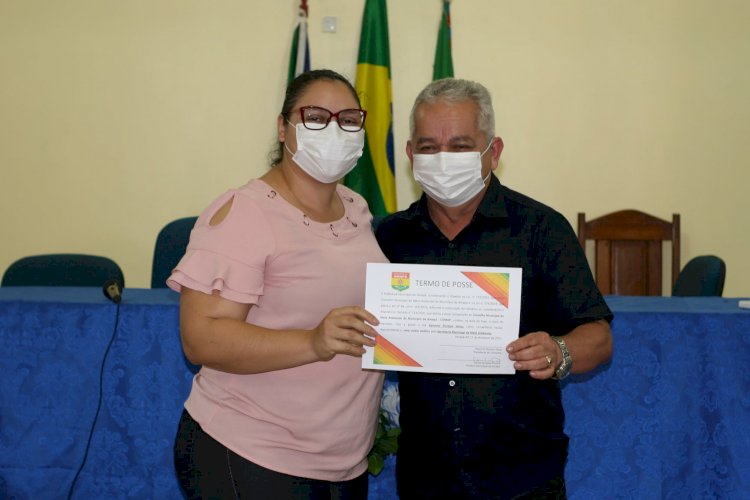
x: 329, y: 154
x: 451, y: 179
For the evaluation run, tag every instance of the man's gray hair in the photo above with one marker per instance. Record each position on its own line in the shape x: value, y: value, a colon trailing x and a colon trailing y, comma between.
x: 457, y: 90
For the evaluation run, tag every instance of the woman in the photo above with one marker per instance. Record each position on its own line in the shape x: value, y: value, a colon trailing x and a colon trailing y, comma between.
x: 271, y: 286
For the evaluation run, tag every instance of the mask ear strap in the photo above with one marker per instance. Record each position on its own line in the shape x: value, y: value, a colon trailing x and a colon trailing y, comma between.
x: 488, y: 147
x: 285, y: 142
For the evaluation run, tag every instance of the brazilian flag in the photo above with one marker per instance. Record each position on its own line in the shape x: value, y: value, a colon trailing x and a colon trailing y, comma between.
x: 443, y: 67
x: 373, y: 176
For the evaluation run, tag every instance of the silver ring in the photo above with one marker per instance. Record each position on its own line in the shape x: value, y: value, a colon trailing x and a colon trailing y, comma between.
x: 549, y: 360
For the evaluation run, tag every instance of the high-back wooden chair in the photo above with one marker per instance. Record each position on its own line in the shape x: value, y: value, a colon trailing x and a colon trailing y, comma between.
x: 628, y: 251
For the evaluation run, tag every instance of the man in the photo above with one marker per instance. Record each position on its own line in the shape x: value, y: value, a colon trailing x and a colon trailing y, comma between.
x: 490, y: 436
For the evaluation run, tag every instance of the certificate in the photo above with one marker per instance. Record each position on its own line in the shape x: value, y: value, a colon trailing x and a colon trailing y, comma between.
x: 443, y: 319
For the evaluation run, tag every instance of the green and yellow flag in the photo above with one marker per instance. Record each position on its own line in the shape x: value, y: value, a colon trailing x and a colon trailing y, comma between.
x: 373, y: 176
x: 443, y: 67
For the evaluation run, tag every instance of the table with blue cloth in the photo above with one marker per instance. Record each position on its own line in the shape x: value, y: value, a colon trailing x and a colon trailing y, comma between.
x: 668, y: 417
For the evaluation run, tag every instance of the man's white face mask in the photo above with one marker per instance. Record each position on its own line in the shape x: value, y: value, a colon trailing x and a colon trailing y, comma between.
x: 328, y: 154
x: 451, y: 179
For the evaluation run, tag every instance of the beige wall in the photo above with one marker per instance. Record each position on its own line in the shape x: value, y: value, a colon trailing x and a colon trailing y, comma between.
x: 119, y: 116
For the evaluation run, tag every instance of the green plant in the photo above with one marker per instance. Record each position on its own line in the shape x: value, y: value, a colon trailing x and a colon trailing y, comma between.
x: 386, y: 436
x: 386, y: 443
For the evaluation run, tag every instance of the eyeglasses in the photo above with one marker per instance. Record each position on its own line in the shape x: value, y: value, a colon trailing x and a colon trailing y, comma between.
x: 316, y: 118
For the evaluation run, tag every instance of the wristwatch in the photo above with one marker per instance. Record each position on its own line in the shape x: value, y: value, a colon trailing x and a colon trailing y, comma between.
x: 563, y: 370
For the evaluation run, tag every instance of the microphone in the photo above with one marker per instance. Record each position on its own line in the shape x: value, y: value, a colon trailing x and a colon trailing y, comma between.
x: 113, y: 291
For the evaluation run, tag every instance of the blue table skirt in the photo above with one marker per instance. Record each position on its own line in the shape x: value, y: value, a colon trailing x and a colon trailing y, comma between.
x: 668, y: 417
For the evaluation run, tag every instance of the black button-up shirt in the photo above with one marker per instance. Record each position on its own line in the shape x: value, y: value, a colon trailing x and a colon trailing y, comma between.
x: 476, y: 436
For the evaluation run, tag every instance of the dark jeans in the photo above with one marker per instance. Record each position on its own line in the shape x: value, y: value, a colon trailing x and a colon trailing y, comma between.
x: 554, y: 490
x: 419, y: 476
x: 206, y: 469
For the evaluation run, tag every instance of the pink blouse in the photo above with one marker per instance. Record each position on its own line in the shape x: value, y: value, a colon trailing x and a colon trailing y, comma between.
x: 316, y: 420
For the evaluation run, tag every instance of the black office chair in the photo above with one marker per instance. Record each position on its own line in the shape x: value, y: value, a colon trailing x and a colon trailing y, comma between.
x: 170, y: 246
x: 702, y: 276
x: 63, y: 269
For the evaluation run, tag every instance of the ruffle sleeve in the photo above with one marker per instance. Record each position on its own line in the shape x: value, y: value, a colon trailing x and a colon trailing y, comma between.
x: 228, y: 257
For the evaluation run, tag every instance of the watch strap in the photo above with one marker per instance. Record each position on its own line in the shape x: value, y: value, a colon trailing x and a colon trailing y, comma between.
x: 563, y: 370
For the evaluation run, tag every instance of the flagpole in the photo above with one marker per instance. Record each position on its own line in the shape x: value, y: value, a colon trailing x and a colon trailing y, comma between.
x: 302, y: 47
x: 299, y: 58
x: 443, y: 65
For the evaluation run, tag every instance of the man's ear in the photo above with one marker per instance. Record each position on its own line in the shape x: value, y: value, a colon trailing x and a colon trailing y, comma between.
x: 497, y: 149
x: 409, y: 152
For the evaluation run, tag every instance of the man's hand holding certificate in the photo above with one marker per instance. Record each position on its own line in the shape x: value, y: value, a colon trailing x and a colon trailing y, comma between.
x: 443, y: 319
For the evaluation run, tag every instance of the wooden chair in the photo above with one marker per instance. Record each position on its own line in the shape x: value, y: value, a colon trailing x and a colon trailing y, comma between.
x: 628, y: 251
